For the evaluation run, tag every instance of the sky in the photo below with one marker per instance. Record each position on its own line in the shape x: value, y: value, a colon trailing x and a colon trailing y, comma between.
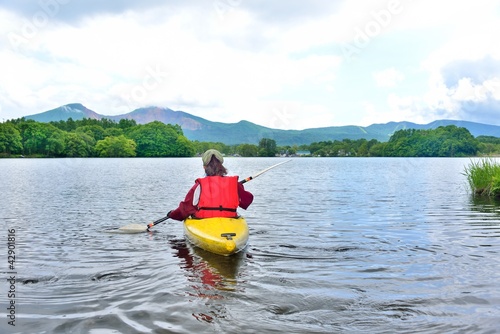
x: 286, y: 64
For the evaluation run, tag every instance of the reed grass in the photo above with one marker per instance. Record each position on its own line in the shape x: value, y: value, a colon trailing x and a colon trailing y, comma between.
x: 484, y: 177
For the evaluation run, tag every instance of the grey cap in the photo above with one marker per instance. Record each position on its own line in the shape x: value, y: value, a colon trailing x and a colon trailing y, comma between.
x: 207, y: 156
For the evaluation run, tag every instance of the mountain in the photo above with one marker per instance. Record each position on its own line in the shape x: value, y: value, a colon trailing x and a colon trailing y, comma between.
x: 164, y: 115
x: 74, y: 110
x: 197, y: 128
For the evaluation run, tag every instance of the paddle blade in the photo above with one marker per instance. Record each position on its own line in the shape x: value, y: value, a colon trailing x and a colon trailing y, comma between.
x: 133, y: 228
x: 137, y: 228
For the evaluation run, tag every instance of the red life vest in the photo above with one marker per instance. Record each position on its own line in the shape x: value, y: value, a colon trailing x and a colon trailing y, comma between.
x: 218, y: 197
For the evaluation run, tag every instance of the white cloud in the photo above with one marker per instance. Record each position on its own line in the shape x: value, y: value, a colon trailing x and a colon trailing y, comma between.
x: 245, y: 60
x: 388, y: 78
x: 407, y: 108
x: 469, y: 34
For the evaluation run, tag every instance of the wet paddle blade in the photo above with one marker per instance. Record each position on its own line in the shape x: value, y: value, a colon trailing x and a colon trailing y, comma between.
x: 136, y: 228
x: 133, y: 228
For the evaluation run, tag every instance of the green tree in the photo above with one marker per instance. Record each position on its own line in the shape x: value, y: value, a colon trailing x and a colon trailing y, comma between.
x: 183, y: 147
x: 126, y: 123
x: 488, y: 145
x: 95, y: 131
x: 61, y: 125
x: 10, y: 139
x: 116, y: 147
x: 377, y: 149
x: 444, y: 141
x: 70, y: 124
x: 56, y: 143
x: 248, y: 150
x: 79, y: 144
x: 459, y: 142
x: 35, y: 137
x: 267, y: 147
x: 157, y: 139
x: 105, y: 123
x: 201, y: 147
x: 115, y: 132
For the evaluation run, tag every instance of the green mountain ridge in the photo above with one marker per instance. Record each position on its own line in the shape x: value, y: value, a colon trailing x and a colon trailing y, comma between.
x: 197, y: 128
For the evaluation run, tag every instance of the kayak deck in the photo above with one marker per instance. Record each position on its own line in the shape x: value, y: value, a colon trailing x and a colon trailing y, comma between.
x: 223, y: 236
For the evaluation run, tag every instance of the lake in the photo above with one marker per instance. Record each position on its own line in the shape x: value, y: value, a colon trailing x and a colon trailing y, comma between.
x: 337, y: 245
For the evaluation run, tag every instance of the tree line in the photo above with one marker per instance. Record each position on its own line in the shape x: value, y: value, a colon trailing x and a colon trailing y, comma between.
x: 92, y: 138
x: 444, y: 141
x: 107, y: 138
x: 126, y: 138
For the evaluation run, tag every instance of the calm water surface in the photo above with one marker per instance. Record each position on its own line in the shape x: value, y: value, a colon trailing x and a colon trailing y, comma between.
x: 341, y: 245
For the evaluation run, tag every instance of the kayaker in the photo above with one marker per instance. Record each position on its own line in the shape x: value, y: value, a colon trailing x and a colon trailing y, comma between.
x: 215, y: 195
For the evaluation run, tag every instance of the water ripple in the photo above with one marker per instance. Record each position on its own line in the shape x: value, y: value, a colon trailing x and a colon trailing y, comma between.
x: 336, y: 245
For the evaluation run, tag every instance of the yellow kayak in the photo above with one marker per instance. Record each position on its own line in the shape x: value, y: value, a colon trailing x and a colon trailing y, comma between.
x: 223, y: 236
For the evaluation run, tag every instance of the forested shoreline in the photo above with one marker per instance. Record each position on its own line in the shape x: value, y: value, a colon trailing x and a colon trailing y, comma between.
x: 126, y: 138
x: 444, y: 141
x: 107, y: 138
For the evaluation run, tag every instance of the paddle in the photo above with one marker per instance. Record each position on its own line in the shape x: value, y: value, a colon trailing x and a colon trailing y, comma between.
x: 137, y: 228
x: 262, y: 172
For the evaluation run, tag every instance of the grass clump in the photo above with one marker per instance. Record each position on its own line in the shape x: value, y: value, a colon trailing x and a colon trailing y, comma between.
x: 484, y: 177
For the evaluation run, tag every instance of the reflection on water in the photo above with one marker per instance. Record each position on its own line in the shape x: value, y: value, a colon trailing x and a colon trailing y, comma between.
x: 208, y: 274
x: 212, y: 270
x: 486, y: 204
x: 336, y: 245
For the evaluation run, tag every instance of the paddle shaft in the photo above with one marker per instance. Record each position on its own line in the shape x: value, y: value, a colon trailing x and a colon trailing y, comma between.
x: 262, y: 172
x: 157, y: 221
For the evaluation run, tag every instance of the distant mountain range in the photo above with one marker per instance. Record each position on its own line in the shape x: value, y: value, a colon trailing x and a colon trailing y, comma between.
x: 197, y: 128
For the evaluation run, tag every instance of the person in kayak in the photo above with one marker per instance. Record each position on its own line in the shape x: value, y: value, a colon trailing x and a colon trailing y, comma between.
x: 215, y: 195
